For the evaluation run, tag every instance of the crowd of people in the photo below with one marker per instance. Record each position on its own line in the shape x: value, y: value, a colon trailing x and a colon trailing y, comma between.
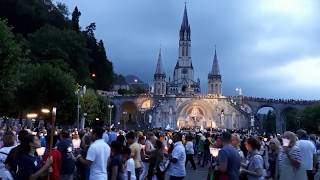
x: 108, y: 153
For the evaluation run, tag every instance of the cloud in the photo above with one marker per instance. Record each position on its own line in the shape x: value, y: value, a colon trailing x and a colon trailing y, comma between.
x: 260, y: 43
x: 300, y: 73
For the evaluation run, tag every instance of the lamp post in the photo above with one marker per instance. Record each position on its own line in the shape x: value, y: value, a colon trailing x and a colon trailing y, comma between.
x: 80, y: 92
x: 110, y: 107
x: 124, y: 121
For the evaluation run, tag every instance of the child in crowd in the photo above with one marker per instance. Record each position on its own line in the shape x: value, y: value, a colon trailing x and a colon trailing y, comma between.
x: 129, y: 168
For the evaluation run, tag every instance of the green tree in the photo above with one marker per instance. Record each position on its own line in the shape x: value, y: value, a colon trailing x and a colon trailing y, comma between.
x: 26, y: 16
x: 310, y: 119
x: 63, y: 48
x: 47, y: 86
x: 75, y: 19
x: 90, y: 105
x: 100, y: 64
x: 269, y: 122
x: 11, y: 62
x: 290, y: 118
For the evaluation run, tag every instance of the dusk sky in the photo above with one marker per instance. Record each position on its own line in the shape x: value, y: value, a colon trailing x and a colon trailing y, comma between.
x: 269, y: 48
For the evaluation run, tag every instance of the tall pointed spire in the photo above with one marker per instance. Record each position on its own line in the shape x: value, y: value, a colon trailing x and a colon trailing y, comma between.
x: 185, y: 27
x: 159, y: 68
x: 215, y: 66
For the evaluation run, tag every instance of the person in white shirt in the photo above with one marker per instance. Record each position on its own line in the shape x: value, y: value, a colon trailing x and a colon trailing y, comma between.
x: 129, y: 167
x: 308, y: 152
x: 97, y: 156
x: 148, y: 149
x: 190, y: 152
x: 177, y: 169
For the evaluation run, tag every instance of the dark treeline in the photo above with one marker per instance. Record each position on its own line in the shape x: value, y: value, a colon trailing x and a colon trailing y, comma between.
x: 44, y: 55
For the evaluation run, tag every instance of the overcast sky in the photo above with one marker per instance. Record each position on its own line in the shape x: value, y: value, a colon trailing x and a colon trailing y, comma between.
x: 269, y: 48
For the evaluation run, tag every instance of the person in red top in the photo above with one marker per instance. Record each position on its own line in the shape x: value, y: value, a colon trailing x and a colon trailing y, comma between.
x: 56, y: 156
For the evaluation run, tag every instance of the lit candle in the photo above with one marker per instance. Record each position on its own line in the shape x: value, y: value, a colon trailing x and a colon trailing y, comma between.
x: 40, y: 151
x: 214, y: 151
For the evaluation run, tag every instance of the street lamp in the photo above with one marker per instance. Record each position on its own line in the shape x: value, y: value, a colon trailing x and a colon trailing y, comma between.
x: 32, y: 115
x: 80, y: 92
x: 124, y: 123
x: 45, y: 111
x: 239, y: 90
x: 110, y: 110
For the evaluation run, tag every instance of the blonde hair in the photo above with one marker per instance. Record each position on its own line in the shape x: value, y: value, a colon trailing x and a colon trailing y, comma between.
x: 276, y: 142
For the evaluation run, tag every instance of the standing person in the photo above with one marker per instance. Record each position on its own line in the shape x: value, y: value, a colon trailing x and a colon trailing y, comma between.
x: 206, y: 150
x: 135, y: 152
x: 274, y: 145
x: 84, y: 171
x: 159, y: 155
x: 235, y: 141
x: 148, y: 149
x: 115, y: 171
x: 177, y: 170
x: 308, y: 152
x: 68, y: 161
x: 11, y: 161
x: 56, y: 157
x: 129, y: 169
x: 29, y: 164
x: 97, y: 156
x: 254, y: 169
x: 228, y: 158
x: 112, y: 135
x: 290, y: 160
x: 8, y: 145
x: 190, y: 152
x: 200, y: 148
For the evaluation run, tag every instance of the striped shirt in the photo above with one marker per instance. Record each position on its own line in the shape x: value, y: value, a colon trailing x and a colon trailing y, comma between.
x: 294, y: 153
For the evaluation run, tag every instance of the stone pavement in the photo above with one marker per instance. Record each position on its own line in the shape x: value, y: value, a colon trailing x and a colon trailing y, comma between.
x: 198, y: 174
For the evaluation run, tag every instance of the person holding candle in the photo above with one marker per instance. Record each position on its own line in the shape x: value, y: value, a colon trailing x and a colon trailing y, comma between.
x: 56, y: 158
x: 290, y: 159
x: 29, y: 164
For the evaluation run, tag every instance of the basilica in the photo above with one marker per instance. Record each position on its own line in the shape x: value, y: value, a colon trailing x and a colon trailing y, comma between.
x: 179, y: 102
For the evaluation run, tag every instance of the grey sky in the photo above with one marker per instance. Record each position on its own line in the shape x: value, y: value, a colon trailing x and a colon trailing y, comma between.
x: 269, y: 48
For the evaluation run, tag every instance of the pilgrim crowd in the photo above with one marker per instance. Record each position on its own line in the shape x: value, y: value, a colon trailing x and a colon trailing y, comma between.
x: 108, y: 153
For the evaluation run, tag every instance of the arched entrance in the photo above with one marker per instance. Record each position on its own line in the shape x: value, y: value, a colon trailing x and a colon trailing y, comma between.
x: 195, y: 114
x: 266, y: 119
x: 129, y: 115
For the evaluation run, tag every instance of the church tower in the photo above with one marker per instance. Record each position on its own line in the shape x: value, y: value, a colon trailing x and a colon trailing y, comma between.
x: 214, y: 78
x: 159, y: 78
x: 183, y: 72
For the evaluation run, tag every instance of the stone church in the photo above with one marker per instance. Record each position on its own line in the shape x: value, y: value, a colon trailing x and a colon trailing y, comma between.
x: 179, y: 102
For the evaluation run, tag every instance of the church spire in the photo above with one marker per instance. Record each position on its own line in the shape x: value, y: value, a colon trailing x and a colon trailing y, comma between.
x: 159, y: 68
x: 185, y: 27
x: 215, y: 66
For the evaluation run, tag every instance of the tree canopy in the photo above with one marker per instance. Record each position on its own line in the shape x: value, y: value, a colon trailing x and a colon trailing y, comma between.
x: 44, y: 54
